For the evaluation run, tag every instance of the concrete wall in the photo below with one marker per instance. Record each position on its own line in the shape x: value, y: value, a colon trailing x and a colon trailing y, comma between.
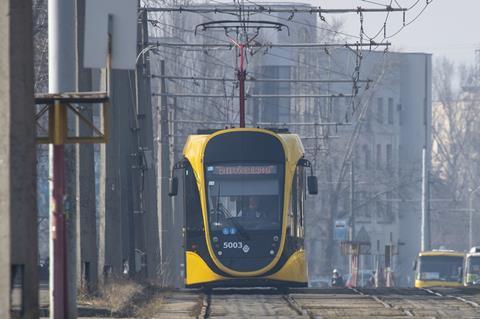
x: 416, y: 102
x: 18, y: 229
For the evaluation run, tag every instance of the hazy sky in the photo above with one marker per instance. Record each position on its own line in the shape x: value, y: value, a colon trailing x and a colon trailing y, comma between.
x: 449, y: 28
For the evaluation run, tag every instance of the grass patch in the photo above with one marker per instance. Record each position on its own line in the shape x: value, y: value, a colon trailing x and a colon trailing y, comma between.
x: 118, y: 296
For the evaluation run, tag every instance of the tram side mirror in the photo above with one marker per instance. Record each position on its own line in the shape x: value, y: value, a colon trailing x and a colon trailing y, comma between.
x: 173, y: 186
x: 312, y: 185
x: 414, y: 265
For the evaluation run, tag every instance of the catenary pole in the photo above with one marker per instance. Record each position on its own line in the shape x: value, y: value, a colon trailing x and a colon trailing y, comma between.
x: 87, y: 263
x: 165, y: 201
x: 242, y: 75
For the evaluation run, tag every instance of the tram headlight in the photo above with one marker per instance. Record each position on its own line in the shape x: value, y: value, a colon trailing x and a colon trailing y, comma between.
x: 275, y: 238
x: 272, y: 252
x: 215, y: 239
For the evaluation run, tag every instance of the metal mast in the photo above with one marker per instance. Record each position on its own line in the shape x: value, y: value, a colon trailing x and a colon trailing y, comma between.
x: 241, y: 42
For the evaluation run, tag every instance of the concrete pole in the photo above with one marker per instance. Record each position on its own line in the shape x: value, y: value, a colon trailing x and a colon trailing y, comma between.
x: 470, y: 221
x: 61, y: 70
x: 87, y: 250
x: 147, y: 190
x: 425, y: 224
x: 114, y: 164
x: 165, y: 201
x: 177, y: 207
x: 116, y: 199
x: 352, y: 201
x: 425, y: 231
x: 355, y: 253
x: 18, y: 211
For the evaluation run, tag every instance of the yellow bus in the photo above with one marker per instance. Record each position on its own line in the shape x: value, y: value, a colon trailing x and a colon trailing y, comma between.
x: 244, y: 192
x: 439, y: 268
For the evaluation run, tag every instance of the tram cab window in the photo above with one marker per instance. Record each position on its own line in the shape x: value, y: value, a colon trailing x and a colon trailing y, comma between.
x: 473, y: 265
x: 446, y: 268
x: 246, y: 195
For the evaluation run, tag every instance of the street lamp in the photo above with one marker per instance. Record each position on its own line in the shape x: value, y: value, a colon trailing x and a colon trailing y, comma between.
x: 470, y: 216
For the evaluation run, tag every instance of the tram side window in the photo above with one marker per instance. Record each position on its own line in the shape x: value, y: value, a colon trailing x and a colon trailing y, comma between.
x: 193, y: 213
x: 301, y: 198
x: 300, y: 194
x: 296, y: 203
x: 294, y: 206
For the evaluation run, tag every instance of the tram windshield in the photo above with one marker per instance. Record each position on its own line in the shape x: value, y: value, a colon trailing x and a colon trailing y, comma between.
x: 244, y: 196
x: 473, y: 265
x: 442, y: 268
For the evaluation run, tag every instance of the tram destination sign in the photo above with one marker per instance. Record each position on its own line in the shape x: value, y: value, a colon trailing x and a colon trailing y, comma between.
x: 244, y: 170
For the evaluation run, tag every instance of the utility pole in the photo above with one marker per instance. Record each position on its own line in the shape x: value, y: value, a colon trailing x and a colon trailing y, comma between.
x: 18, y: 209
x: 352, y: 201
x: 425, y: 223
x: 354, y: 245
x: 61, y: 34
x: 425, y: 226
x: 165, y: 200
x: 110, y: 226
x: 148, y: 240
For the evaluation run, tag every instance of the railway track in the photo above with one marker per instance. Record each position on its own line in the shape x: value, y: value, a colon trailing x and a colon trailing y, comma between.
x: 323, y: 303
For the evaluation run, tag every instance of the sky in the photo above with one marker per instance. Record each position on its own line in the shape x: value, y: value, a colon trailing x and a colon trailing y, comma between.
x: 449, y: 28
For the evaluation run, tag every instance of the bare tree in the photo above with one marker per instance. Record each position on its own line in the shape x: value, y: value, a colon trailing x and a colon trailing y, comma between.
x: 456, y: 147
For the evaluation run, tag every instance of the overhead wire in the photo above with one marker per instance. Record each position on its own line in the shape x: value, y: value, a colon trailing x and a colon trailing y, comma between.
x: 292, y: 59
x: 257, y: 73
x: 224, y: 41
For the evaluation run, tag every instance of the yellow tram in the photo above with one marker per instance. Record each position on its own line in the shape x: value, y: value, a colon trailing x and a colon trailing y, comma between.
x: 244, y: 192
x: 439, y: 268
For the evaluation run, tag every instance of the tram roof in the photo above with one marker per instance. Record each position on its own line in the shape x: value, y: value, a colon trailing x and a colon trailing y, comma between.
x: 450, y: 253
x: 294, y: 146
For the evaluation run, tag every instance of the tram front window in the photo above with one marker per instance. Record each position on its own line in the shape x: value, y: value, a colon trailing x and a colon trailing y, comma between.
x: 442, y: 268
x: 244, y: 197
x: 473, y: 265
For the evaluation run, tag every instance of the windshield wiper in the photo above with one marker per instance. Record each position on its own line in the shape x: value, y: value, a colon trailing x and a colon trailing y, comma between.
x: 241, y: 230
x: 226, y: 212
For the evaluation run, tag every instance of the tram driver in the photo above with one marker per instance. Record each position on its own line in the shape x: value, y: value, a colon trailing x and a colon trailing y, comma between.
x: 251, y: 210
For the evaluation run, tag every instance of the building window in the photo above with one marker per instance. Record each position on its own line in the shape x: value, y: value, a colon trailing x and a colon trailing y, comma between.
x: 379, y: 156
x: 362, y: 205
x: 389, y: 204
x: 356, y: 157
x: 366, y: 156
x: 336, y: 109
x: 389, y: 157
x: 390, y: 111
x: 274, y: 110
x: 368, y: 119
x: 380, y: 110
x: 379, y: 208
x: 400, y: 114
